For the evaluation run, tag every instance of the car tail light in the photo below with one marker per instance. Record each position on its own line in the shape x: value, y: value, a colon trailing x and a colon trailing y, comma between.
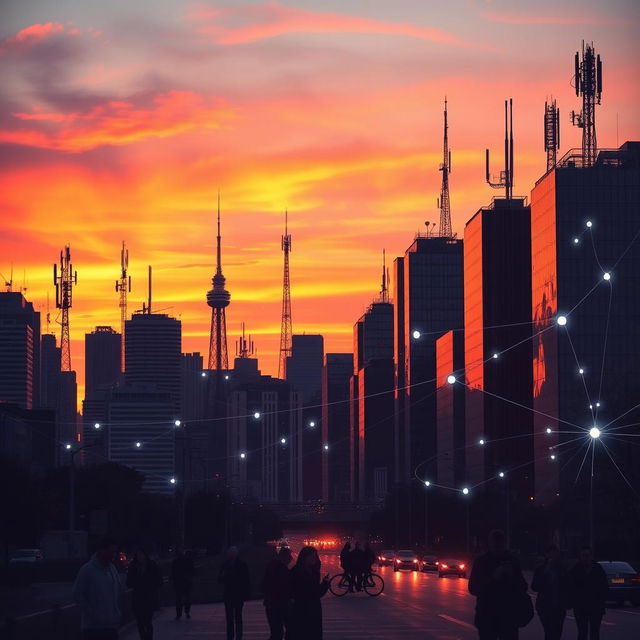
x: 437, y: 563
x: 637, y: 579
x: 444, y: 566
x: 462, y: 566
x: 382, y: 558
x: 416, y: 561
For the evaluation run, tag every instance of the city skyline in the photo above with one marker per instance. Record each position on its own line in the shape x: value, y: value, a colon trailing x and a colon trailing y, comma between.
x: 122, y: 146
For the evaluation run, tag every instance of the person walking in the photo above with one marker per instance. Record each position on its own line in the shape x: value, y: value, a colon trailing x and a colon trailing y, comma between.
x: 98, y: 591
x: 589, y: 590
x: 306, y: 591
x: 497, y: 582
x: 277, y: 593
x: 234, y: 576
x: 144, y: 578
x: 183, y: 571
x: 551, y: 583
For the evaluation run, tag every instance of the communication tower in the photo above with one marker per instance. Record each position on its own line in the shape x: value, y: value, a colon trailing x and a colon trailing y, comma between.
x: 506, y: 175
x: 551, y: 132
x: 123, y: 286
x: 445, y: 167
x: 285, y: 321
x: 64, y: 282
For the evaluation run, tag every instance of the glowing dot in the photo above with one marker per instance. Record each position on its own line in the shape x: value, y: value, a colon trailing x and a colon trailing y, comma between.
x: 501, y: 474
x: 427, y: 483
x: 482, y: 441
x: 226, y: 377
x: 597, y: 404
x: 589, y: 224
x: 576, y: 240
x: 177, y: 423
x: 495, y: 356
x: 590, y: 406
x: 96, y: 425
x: 416, y: 334
x: 548, y: 429
x: 204, y: 374
x: 562, y: 320
x: 172, y: 481
x: 606, y: 275
x: 553, y: 456
x: 283, y: 441
x: 256, y: 415
x: 243, y: 455
x: 312, y: 424
x: 67, y: 446
x: 465, y: 491
x: 580, y: 370
x: 594, y: 432
x: 451, y: 378
x: 138, y: 444
x: 326, y: 447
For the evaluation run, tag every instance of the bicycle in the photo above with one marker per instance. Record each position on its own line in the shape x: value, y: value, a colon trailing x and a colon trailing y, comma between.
x: 372, y: 583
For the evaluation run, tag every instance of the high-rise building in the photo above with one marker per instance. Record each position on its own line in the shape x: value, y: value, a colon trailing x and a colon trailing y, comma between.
x: 497, y: 325
x: 49, y: 372
x: 102, y: 353
x: 153, y: 352
x: 429, y: 302
x: 304, y: 374
x: 585, y: 258
x: 19, y: 350
x: 336, y: 372
x: 193, y: 386
x: 450, y: 400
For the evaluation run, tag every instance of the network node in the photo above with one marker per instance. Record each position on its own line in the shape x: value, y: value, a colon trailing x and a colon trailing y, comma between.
x: 204, y: 374
x: 96, y: 425
x: 594, y: 432
x: 67, y: 446
x: 581, y: 371
x: 495, y: 356
x: 312, y: 424
x: 172, y: 481
x: 465, y: 491
x: 226, y: 377
x: 427, y: 483
x: 451, y: 378
x: 283, y: 441
x: 562, y: 320
x: 553, y: 456
x: 576, y: 240
x: 501, y: 474
x: 416, y: 334
x: 606, y: 275
x: 243, y: 455
x: 597, y: 404
x: 177, y: 423
x: 589, y: 224
x: 590, y: 406
x: 326, y: 447
x: 482, y: 441
x: 256, y: 415
x: 548, y: 429
x: 138, y: 445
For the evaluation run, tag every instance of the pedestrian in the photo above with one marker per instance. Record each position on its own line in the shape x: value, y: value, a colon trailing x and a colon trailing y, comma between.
x: 345, y: 563
x: 306, y: 591
x: 98, y: 591
x: 501, y: 592
x: 277, y: 593
x: 551, y: 582
x: 183, y: 571
x: 589, y: 590
x: 144, y: 578
x: 234, y: 576
x: 357, y: 561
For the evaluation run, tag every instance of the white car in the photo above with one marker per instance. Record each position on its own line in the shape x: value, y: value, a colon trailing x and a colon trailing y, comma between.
x: 22, y: 556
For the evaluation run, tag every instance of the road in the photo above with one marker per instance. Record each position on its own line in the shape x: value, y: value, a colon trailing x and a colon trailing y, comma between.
x: 413, y: 606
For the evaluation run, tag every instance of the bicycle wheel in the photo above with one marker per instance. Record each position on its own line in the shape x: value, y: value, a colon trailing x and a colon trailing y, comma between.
x: 374, y: 584
x: 339, y: 585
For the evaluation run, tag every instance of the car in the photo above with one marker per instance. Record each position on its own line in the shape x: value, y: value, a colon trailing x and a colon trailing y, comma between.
x: 429, y: 563
x: 406, y: 559
x: 623, y: 581
x: 385, y: 558
x: 452, y: 567
x: 22, y: 556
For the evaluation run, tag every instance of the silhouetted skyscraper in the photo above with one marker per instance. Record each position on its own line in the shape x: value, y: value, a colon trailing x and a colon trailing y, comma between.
x: 102, y: 353
x: 19, y: 350
x: 336, y: 372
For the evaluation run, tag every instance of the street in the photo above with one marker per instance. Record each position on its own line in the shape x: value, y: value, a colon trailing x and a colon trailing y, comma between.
x: 413, y: 605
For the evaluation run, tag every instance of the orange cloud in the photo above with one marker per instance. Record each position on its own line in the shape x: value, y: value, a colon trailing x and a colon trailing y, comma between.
x: 273, y: 19
x: 119, y: 122
x: 575, y: 17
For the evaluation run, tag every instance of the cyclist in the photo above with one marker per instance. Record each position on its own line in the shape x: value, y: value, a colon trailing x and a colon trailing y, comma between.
x: 369, y: 559
x: 345, y: 563
x: 357, y: 561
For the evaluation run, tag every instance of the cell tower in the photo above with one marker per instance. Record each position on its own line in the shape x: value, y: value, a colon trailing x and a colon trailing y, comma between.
x: 64, y: 282
x: 506, y: 175
x: 551, y: 132
x: 218, y: 299
x: 588, y: 84
x: 123, y: 286
x: 245, y: 348
x: 384, y: 287
x: 285, y: 322
x: 445, y: 167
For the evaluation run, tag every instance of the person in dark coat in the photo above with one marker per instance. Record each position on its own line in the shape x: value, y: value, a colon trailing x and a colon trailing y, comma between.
x: 497, y: 582
x: 589, y: 590
x: 306, y: 591
x: 182, y: 572
x: 277, y: 593
x: 357, y: 562
x: 345, y: 563
x: 236, y: 586
x: 551, y: 582
x: 144, y: 579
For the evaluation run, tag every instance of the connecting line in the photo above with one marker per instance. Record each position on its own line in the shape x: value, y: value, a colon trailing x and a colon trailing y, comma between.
x: 562, y: 444
x: 595, y: 253
x: 621, y: 415
x: 622, y: 255
x: 617, y: 439
x: 624, y: 426
x: 586, y: 295
x: 615, y: 464
x: 518, y: 404
x: 584, y: 384
x: 604, y: 346
x: 589, y: 443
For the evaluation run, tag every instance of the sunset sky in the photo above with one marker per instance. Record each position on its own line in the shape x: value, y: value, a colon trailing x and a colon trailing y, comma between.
x: 121, y: 120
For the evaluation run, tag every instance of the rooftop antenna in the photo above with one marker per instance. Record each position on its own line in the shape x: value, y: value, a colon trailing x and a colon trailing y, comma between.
x: 286, y: 329
x: 506, y: 175
x: 245, y: 347
x: 8, y: 283
x: 445, y: 167
x: 588, y: 84
x: 48, y: 315
x: 123, y: 286
x: 146, y: 308
x: 551, y: 132
x: 384, y: 289
x: 64, y: 283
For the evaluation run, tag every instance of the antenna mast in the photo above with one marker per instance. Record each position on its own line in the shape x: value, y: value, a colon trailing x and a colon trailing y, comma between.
x: 588, y: 84
x: 445, y: 167
x: 551, y: 132
x: 64, y: 282
x: 218, y: 298
x: 384, y: 288
x: 506, y: 175
x: 123, y: 286
x: 286, y: 329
